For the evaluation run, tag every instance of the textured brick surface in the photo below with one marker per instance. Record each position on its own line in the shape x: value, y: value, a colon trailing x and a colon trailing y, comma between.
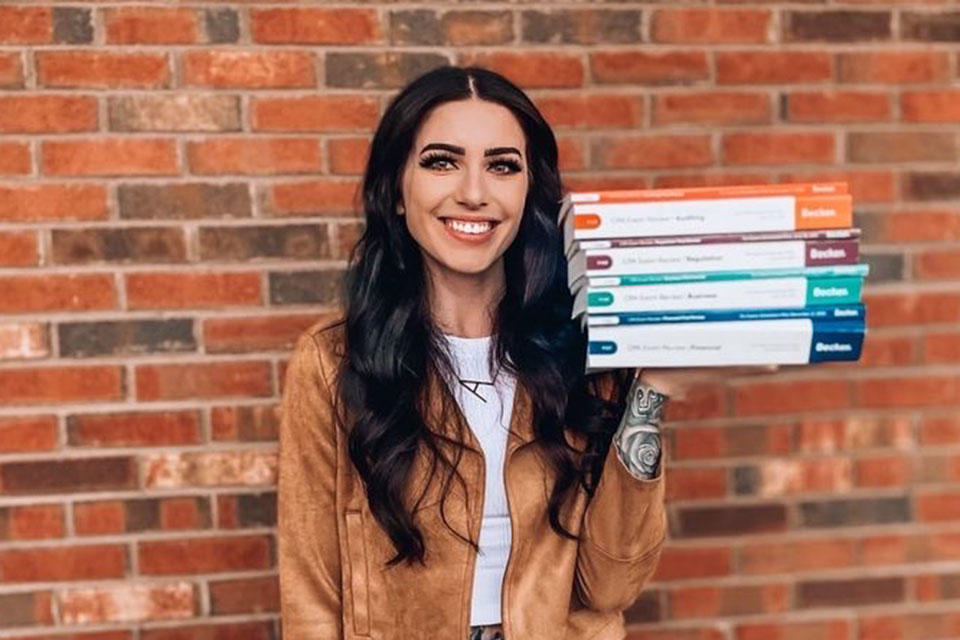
x: 179, y: 194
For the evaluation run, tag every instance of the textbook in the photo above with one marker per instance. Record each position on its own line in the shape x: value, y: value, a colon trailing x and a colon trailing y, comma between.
x: 793, y: 292
x: 725, y: 343
x: 710, y: 257
x: 712, y: 276
x: 621, y: 214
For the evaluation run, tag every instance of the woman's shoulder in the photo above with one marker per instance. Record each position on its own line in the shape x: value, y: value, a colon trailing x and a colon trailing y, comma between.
x: 327, y: 331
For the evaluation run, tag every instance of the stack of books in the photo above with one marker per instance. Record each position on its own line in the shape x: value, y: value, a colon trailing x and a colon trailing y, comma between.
x: 715, y: 276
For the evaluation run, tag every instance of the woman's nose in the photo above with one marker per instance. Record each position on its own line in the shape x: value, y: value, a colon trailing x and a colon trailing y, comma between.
x: 471, y: 191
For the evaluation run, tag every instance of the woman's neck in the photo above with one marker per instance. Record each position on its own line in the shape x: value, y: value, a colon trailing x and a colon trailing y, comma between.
x: 462, y: 304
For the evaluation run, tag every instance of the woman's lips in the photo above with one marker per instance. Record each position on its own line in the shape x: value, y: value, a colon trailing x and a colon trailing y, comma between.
x: 466, y: 236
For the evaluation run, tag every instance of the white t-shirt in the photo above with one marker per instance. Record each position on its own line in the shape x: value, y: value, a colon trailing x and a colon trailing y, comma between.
x: 487, y: 404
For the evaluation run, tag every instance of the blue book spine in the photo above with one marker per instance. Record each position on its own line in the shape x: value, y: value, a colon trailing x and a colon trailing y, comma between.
x: 832, y: 312
x: 837, y: 341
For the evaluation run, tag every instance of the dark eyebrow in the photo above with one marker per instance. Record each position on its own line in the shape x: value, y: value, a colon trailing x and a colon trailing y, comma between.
x: 452, y: 148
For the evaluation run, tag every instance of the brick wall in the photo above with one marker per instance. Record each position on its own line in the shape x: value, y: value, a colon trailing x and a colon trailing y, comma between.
x: 177, y: 196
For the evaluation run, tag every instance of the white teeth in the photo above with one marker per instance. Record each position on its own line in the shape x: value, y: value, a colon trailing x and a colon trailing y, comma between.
x: 469, y: 227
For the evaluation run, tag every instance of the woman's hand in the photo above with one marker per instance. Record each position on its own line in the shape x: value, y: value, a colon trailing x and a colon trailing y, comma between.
x: 677, y: 383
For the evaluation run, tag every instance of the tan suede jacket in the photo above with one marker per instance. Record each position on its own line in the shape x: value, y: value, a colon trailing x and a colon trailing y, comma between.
x: 331, y: 552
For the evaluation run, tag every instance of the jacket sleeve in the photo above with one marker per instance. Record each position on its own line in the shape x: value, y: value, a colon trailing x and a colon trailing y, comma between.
x: 624, y: 528
x: 307, y: 540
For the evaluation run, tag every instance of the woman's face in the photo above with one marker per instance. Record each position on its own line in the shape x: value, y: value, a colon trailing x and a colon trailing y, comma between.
x: 464, y: 185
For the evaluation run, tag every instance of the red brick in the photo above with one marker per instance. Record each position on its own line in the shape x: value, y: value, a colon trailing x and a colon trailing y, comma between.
x: 940, y: 430
x: 15, y: 159
x: 217, y: 379
x: 18, y: 248
x: 778, y: 148
x: 533, y: 70
x: 87, y: 562
x: 706, y: 179
x: 885, y: 351
x: 204, y: 555
x: 11, y: 70
x: 796, y: 555
x: 735, y: 600
x: 23, y: 340
x: 314, y: 113
x: 33, y: 203
x: 593, y: 111
x: 854, y: 433
x: 82, y: 292
x: 679, y: 563
x: 131, y: 429
x: 150, y: 25
x: 786, y: 477
x: 47, y: 114
x: 128, y: 602
x: 693, y: 484
x: 709, y: 26
x: 327, y: 196
x: 937, y: 265
x: 893, y: 67
x: 348, y: 156
x: 938, y: 507
x: 914, y: 308
x: 25, y: 25
x: 654, y: 68
x: 245, y: 595
x: 180, y: 513
x: 61, y: 384
x: 773, y: 67
x: 702, y: 401
x: 920, y: 391
x: 909, y: 626
x: 653, y: 152
x: 191, y: 290
x: 920, y: 226
x: 798, y: 396
x: 795, y: 630
x: 339, y: 26
x: 941, y: 106
x: 941, y: 347
x: 110, y: 157
x: 35, y: 522
x: 255, y: 333
x: 901, y: 146
x: 249, y: 69
x: 34, y: 433
x: 884, y: 471
x: 102, y: 70
x: 99, y: 518
x: 571, y: 154
x: 713, y: 108
x: 837, y: 106
x: 259, y: 156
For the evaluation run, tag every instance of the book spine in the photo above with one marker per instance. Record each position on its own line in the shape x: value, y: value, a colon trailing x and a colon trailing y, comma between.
x: 756, y: 342
x: 713, y: 257
x: 705, y: 217
x: 832, y: 312
x: 835, y: 271
x: 724, y: 238
x: 689, y: 193
x: 731, y: 294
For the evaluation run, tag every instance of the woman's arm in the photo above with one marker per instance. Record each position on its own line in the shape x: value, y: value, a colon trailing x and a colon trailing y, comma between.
x: 307, y: 539
x: 625, y: 522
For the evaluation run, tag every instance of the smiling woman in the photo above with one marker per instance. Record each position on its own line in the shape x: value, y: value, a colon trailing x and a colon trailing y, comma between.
x: 446, y: 468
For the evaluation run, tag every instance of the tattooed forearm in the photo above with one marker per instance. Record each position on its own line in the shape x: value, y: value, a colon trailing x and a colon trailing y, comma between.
x: 638, y: 437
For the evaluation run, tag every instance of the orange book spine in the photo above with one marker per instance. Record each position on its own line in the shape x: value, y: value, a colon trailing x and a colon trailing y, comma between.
x: 702, y: 193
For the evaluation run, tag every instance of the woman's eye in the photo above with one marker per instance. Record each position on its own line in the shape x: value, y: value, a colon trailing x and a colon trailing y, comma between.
x: 435, y: 162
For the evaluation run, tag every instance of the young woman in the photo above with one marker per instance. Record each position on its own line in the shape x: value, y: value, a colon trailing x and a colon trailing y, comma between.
x: 447, y: 470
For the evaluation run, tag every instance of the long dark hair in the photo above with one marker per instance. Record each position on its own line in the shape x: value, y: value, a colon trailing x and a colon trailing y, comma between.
x: 392, y: 344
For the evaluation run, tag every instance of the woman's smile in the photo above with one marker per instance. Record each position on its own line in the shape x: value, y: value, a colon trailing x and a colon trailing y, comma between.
x: 474, y: 231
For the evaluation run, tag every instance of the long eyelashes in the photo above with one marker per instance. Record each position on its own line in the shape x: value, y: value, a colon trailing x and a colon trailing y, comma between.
x: 430, y: 160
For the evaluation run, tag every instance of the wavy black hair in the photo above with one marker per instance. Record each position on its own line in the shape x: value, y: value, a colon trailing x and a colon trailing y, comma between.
x: 392, y: 344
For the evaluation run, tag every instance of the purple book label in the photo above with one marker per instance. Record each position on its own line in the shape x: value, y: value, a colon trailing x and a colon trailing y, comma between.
x: 821, y: 253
